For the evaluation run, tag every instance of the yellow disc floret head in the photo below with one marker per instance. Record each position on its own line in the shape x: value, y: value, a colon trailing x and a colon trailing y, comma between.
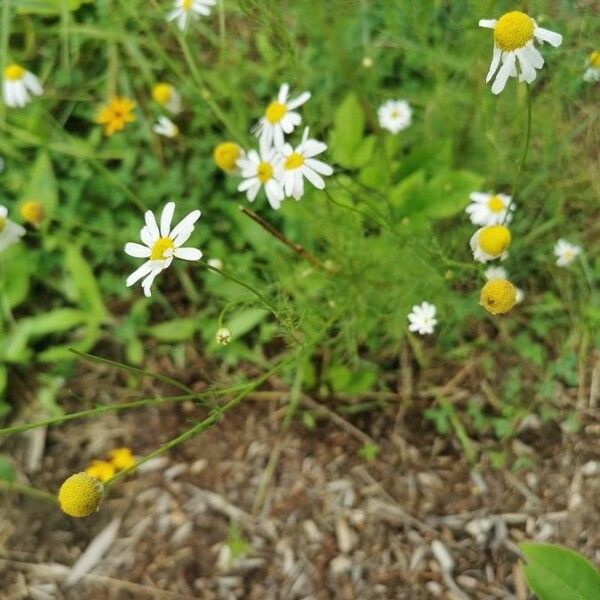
x: 498, y: 296
x: 80, y: 495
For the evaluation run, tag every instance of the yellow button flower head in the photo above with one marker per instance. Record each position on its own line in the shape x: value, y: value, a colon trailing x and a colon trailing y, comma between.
x: 166, y: 95
x: 514, y: 36
x: 100, y: 470
x: 226, y: 155
x: 33, y: 212
x: 116, y: 114
x: 490, y: 242
x: 498, y: 296
x: 80, y: 495
x: 592, y: 73
x: 121, y: 458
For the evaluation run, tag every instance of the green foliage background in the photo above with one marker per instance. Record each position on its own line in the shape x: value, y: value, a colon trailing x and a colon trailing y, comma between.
x: 391, y: 225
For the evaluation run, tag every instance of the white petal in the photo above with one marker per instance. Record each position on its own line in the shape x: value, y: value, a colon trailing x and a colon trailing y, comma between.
x: 188, y: 253
x: 527, y: 69
x: 283, y: 93
x: 147, y: 237
x: 553, y: 38
x: 314, y: 178
x: 139, y: 273
x: 147, y: 283
x: 319, y: 166
x: 185, y: 224
x: 151, y: 224
x: 534, y: 55
x: 313, y: 147
x: 488, y: 23
x: 166, y: 218
x: 495, y: 62
x: 137, y: 250
x: 504, y: 73
x: 299, y: 101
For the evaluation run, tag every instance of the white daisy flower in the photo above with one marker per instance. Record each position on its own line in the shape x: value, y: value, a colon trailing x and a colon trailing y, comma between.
x: 394, y: 115
x: 260, y: 170
x: 496, y: 273
x: 422, y: 318
x: 280, y: 118
x: 160, y: 246
x: 164, y: 126
x: 166, y: 95
x: 184, y: 10
x: 514, y: 34
x: 299, y: 163
x: 490, y: 209
x: 10, y: 233
x: 592, y: 73
x: 565, y: 253
x: 19, y: 86
x: 490, y: 242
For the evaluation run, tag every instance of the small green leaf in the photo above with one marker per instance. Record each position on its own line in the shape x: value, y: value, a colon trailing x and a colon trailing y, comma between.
x: 346, y: 138
x: 86, y: 286
x: 557, y: 573
x: 176, y: 330
x: 42, y: 186
x: 369, y: 452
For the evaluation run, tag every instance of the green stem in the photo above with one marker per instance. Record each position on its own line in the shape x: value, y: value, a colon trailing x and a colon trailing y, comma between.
x: 5, y: 35
x: 521, y: 163
x: 28, y: 490
x: 214, y: 416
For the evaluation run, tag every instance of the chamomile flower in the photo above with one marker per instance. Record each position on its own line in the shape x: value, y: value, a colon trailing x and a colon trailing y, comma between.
x: 164, y: 126
x: 498, y: 296
x: 10, y: 233
x: 215, y: 263
x: 422, y: 318
x: 565, y: 253
x: 592, y: 73
x: 280, y: 118
x: 161, y: 245
x: 101, y: 470
x: 115, y: 114
x: 490, y: 242
x: 299, y: 163
x: 496, y: 273
x: 394, y: 115
x: 490, y: 209
x: 167, y: 96
x: 226, y: 155
x: 32, y: 212
x: 185, y: 10
x: 80, y: 495
x: 19, y: 85
x: 223, y: 336
x: 514, y: 36
x: 121, y: 458
x: 260, y: 170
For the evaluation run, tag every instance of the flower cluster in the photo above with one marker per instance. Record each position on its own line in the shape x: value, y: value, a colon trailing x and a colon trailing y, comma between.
x: 276, y: 165
x: 119, y: 459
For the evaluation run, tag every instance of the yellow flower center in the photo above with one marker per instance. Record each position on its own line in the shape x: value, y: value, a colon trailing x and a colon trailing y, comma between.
x: 160, y: 247
x: 186, y: 5
x: 162, y: 93
x: 275, y: 112
x: 14, y: 72
x: 32, y: 212
x: 494, y: 239
x: 100, y: 470
x: 2, y: 224
x: 80, y: 495
x: 226, y: 154
x: 121, y: 458
x: 498, y: 296
x: 513, y: 30
x: 594, y: 59
x: 293, y: 161
x: 264, y: 172
x: 495, y: 204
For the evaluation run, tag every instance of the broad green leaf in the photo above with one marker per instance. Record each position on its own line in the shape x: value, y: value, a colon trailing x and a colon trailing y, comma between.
x: 42, y: 186
x: 18, y: 264
x: 243, y: 322
x: 344, y: 380
x: 449, y: 192
x: 177, y: 330
x: 557, y: 573
x: 431, y: 158
x: 347, y: 136
x: 85, y: 284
